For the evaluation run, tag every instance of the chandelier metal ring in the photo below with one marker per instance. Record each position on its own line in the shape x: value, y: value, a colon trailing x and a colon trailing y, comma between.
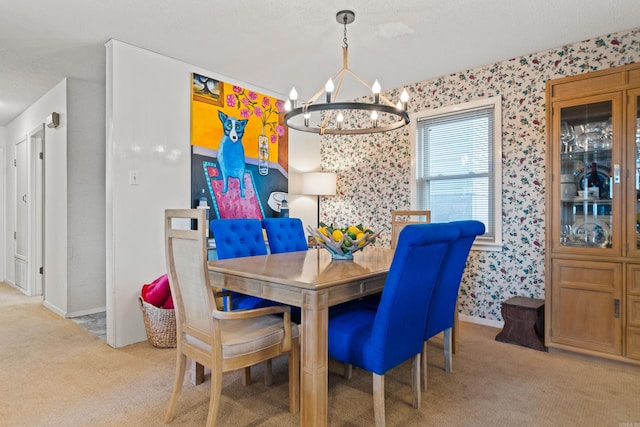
x: 403, y: 118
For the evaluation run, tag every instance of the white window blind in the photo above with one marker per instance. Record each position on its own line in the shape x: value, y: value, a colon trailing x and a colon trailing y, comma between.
x: 456, y: 176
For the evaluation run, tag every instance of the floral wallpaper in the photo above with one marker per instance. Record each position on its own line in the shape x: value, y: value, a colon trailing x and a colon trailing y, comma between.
x: 374, y: 171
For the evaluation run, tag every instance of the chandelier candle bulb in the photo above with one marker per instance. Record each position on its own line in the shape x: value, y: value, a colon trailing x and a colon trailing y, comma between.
x: 404, y: 98
x: 376, y: 92
x: 307, y: 116
x: 329, y: 89
x: 374, y: 119
x: 339, y: 120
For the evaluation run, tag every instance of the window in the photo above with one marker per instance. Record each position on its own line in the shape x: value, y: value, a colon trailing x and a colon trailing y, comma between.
x: 458, y: 164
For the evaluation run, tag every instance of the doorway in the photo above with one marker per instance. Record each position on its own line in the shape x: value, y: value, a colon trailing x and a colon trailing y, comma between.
x: 29, y: 213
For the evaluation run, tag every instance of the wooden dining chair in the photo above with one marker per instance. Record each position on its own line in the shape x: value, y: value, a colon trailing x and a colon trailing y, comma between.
x: 236, y: 238
x: 442, y: 308
x: 219, y: 340
x: 383, y: 339
x: 400, y: 219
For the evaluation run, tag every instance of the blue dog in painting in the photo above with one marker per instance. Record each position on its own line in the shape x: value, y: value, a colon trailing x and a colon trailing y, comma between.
x: 231, y: 151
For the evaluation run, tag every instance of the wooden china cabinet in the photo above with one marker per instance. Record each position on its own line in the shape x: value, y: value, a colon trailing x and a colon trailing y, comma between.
x: 593, y: 214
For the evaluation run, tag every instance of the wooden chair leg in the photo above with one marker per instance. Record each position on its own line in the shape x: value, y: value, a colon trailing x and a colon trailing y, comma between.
x: 448, y: 338
x: 268, y: 372
x: 246, y: 376
x: 348, y: 371
x: 196, y: 370
x: 214, y: 400
x: 294, y: 377
x: 378, y: 400
x: 423, y: 370
x: 181, y: 364
x: 415, y: 380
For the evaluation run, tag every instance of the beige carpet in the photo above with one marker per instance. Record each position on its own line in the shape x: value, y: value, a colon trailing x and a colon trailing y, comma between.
x: 54, y: 373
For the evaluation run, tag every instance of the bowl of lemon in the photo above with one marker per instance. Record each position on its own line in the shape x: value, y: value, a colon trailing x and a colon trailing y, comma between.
x: 343, y: 242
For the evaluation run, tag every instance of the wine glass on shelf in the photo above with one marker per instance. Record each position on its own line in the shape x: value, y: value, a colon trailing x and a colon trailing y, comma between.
x: 567, y: 137
x: 565, y: 232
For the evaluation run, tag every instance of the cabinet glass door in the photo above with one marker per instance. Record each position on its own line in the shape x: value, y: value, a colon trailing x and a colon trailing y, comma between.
x: 633, y: 137
x: 587, y: 208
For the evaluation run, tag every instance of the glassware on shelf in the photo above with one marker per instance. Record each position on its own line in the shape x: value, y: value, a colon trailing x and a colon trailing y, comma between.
x: 565, y: 233
x: 567, y: 137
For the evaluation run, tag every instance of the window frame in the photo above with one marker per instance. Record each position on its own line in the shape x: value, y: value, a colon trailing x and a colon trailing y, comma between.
x: 485, y: 244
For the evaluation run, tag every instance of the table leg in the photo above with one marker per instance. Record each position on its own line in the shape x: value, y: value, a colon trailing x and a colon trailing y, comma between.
x: 315, y: 359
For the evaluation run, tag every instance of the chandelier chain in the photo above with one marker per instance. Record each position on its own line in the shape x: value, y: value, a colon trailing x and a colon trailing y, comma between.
x: 344, y: 40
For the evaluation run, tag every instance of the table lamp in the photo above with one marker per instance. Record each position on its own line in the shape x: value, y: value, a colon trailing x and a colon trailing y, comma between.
x: 319, y: 184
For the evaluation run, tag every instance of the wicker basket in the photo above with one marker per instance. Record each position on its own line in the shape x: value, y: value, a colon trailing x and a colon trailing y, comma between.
x: 160, y: 324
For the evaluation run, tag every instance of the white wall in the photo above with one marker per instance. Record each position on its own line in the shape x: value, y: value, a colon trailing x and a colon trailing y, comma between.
x: 55, y: 287
x: 86, y: 198
x: 3, y: 180
x: 148, y: 131
x: 74, y: 241
x: 304, y: 156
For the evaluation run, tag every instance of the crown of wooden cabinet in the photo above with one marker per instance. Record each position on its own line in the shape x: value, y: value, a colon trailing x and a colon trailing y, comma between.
x: 593, y: 214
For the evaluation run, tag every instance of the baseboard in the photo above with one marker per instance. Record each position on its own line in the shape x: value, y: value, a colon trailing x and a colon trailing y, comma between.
x: 87, y: 312
x: 481, y: 321
x: 55, y: 309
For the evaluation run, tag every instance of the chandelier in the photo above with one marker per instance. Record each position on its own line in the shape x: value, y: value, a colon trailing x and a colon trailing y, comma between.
x: 346, y: 118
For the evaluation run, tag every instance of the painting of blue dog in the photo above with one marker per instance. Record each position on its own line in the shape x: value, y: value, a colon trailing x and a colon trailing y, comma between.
x: 231, y: 152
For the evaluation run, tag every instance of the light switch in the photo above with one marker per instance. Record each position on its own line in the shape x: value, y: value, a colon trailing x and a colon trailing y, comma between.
x: 133, y: 177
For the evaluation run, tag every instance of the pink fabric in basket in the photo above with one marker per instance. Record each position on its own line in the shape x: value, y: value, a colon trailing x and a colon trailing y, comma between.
x: 158, y: 292
x: 169, y: 304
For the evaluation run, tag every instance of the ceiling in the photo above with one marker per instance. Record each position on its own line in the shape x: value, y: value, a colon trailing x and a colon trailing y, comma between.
x: 273, y: 45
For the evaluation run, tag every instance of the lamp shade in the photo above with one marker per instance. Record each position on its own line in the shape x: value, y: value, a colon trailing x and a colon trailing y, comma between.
x: 319, y: 183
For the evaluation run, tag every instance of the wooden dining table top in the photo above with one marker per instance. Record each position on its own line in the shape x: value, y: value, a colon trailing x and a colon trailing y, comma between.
x: 313, y: 269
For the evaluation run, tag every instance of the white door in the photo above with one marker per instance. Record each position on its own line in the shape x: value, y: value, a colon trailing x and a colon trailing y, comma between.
x: 21, y: 233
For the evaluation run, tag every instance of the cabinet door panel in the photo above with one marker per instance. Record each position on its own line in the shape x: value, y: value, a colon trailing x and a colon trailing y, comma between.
x: 586, y: 206
x: 633, y: 167
x: 584, y: 298
x: 633, y: 343
x: 633, y: 311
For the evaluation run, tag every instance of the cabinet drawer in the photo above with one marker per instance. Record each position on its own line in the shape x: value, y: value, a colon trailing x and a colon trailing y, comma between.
x: 633, y: 343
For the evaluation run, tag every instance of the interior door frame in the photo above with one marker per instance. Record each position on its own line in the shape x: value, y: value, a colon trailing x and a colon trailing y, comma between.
x: 34, y: 198
x: 36, y: 187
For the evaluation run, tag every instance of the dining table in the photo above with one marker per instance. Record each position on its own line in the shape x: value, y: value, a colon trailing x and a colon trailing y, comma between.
x: 313, y: 281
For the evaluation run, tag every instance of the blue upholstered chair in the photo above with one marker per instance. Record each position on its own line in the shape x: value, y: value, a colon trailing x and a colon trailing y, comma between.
x: 380, y: 340
x: 445, y: 294
x: 240, y: 237
x: 285, y: 235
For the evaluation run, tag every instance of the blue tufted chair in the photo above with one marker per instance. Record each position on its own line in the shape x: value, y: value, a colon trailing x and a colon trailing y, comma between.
x: 285, y: 235
x: 381, y: 340
x: 445, y: 295
x: 235, y: 238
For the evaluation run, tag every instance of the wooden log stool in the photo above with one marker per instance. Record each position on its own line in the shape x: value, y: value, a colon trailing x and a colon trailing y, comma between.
x: 523, y: 322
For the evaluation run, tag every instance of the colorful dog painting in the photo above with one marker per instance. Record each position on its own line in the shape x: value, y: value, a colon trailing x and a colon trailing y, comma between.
x: 231, y: 152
